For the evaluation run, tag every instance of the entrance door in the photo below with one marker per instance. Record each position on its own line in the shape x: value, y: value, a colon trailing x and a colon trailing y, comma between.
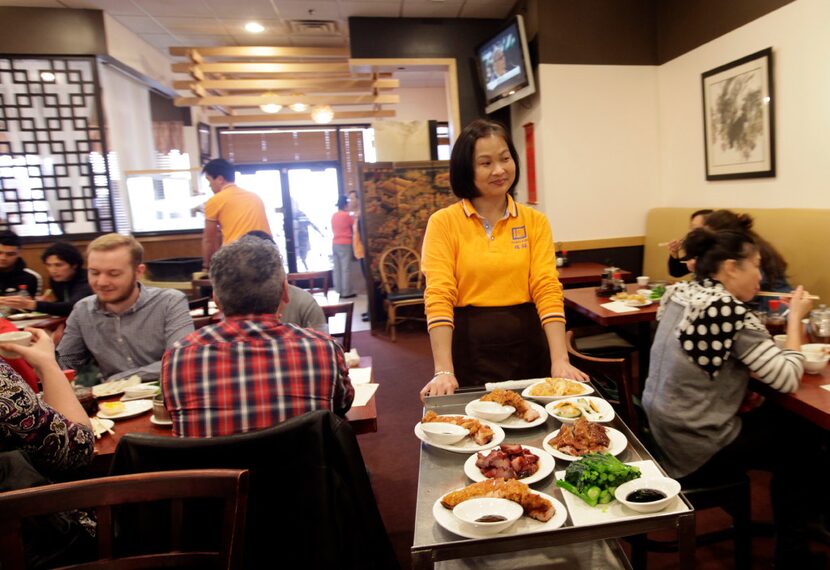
x: 299, y: 201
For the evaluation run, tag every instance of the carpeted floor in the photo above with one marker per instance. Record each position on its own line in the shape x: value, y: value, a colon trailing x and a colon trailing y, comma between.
x: 391, y: 455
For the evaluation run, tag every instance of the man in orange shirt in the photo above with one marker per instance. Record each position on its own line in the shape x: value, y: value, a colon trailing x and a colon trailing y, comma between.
x: 231, y: 213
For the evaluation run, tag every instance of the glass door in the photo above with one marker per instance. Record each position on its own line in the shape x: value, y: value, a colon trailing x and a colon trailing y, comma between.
x: 266, y: 182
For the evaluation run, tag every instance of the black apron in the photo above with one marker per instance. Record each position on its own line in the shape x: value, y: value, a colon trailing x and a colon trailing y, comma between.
x: 491, y: 344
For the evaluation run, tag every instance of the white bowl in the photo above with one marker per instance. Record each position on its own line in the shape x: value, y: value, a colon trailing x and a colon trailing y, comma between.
x: 780, y: 340
x: 443, y: 432
x: 22, y: 338
x: 815, y: 361
x: 492, y: 411
x: 817, y: 347
x: 469, y: 512
x: 666, y: 485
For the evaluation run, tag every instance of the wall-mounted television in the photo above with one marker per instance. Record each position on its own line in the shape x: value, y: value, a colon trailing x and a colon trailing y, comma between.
x: 504, y: 66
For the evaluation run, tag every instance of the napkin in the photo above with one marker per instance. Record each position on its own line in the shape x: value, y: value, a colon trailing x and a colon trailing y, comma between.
x: 363, y: 393
x: 825, y: 387
x: 511, y: 384
x: 618, y: 307
x: 352, y: 358
x: 360, y: 375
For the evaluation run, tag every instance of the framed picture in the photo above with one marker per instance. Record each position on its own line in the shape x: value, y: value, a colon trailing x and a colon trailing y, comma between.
x: 738, y: 118
x: 203, y: 130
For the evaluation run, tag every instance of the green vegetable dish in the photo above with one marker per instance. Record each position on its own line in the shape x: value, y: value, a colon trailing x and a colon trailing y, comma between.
x: 657, y: 292
x: 595, y: 476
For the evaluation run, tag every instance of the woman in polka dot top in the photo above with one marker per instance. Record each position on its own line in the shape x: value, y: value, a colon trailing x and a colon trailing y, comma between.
x: 707, y: 346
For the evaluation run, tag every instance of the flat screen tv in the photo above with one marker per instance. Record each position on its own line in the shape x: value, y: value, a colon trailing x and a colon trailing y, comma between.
x: 504, y: 66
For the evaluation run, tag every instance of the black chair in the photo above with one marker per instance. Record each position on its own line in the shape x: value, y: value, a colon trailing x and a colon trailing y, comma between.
x: 200, y: 303
x: 345, y: 337
x: 311, y: 504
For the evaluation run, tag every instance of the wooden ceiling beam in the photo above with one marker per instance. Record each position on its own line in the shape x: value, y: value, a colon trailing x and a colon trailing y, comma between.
x: 257, y: 100
x: 263, y: 51
x: 294, y: 117
x: 257, y: 68
x: 309, y: 84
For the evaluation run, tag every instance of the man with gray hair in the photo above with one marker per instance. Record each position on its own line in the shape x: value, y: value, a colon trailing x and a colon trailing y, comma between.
x: 250, y: 371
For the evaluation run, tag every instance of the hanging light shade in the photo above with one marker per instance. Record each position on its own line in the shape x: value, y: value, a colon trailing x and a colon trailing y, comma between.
x: 298, y: 107
x: 271, y: 108
x: 322, y: 114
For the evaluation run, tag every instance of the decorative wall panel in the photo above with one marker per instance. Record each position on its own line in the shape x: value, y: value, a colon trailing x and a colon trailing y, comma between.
x: 54, y: 176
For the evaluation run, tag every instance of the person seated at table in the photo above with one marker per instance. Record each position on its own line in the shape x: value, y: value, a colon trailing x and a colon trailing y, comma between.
x: 250, y: 371
x: 773, y: 264
x: 301, y: 308
x: 125, y: 327
x: 707, y: 346
x: 14, y: 275
x: 678, y: 265
x: 67, y: 282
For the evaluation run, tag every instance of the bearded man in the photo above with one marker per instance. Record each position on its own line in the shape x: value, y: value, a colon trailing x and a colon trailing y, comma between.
x: 125, y: 327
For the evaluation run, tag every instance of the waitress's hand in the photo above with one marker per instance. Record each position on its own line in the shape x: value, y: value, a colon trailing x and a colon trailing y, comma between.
x: 441, y: 385
x: 563, y: 369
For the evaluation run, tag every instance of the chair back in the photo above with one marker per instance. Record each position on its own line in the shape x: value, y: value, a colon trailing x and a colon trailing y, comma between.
x: 102, y: 494
x: 612, y: 378
x: 400, y: 270
x: 311, y: 503
x: 345, y: 337
x: 200, y: 303
x: 309, y: 281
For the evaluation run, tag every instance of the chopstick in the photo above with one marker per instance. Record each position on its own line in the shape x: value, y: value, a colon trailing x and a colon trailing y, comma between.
x: 663, y: 243
x: 783, y: 295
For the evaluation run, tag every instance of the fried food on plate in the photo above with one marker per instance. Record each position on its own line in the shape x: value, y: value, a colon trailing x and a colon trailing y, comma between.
x: 557, y: 387
x: 535, y: 506
x: 510, y: 398
x: 580, y: 438
x: 480, y: 433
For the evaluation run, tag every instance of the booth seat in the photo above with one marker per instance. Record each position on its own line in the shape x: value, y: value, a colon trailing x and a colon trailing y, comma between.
x: 801, y: 235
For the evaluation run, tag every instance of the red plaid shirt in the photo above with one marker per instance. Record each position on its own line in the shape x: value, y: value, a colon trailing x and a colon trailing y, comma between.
x: 251, y: 372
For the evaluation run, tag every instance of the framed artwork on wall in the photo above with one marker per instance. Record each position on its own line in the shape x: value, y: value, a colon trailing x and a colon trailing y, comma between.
x: 203, y: 131
x: 739, y: 118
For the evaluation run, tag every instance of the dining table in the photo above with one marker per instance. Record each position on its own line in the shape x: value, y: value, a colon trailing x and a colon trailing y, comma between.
x: 441, y: 471
x: 363, y: 419
x: 580, y: 273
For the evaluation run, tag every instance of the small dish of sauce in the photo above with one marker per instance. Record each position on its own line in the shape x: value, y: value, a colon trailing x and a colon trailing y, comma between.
x: 491, y: 519
x: 645, y: 496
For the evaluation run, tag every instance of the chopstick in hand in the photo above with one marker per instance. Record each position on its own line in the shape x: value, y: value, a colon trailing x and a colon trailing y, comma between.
x: 663, y: 244
x: 783, y: 295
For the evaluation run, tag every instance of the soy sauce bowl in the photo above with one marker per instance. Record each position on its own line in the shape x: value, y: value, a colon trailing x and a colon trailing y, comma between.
x: 492, y: 411
x: 471, y: 511
x: 444, y: 433
x: 666, y: 485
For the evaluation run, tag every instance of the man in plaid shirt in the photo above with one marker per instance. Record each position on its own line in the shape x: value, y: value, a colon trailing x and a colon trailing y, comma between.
x: 250, y: 371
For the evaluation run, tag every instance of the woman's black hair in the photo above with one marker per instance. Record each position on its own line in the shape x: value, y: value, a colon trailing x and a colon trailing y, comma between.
x: 342, y: 202
x: 65, y: 252
x: 462, y: 161
x: 773, y: 263
x: 710, y: 248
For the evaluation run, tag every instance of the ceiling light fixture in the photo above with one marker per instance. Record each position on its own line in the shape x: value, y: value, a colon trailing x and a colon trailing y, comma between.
x: 298, y: 107
x: 271, y: 108
x: 254, y: 27
x: 322, y: 114
x: 47, y: 76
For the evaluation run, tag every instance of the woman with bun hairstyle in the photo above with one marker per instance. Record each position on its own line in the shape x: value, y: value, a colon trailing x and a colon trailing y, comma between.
x: 707, y: 345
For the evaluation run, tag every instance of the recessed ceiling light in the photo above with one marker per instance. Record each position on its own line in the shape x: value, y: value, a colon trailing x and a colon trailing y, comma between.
x: 271, y: 108
x: 254, y: 27
x: 47, y: 76
x: 298, y: 107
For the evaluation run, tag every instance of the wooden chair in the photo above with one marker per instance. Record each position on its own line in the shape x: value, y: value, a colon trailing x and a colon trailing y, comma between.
x: 200, y: 303
x: 346, y: 309
x: 102, y: 494
x: 403, y: 283
x: 308, y: 281
x: 612, y: 378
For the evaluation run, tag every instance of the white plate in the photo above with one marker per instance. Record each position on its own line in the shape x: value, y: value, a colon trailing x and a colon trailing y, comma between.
x: 617, y: 445
x: 100, y: 426
x: 626, y: 302
x: 605, y: 409
x: 546, y: 466
x: 526, y: 393
x: 134, y: 408
x: 524, y: 525
x: 583, y: 514
x: 158, y: 422
x: 115, y: 387
x: 514, y: 421
x: 24, y: 316
x: 466, y: 445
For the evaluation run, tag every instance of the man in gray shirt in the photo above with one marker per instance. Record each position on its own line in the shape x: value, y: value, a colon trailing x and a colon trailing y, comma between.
x: 125, y: 327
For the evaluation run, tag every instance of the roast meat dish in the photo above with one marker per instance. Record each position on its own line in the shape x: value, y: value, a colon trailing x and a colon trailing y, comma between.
x: 535, y: 506
x: 510, y: 398
x: 508, y: 462
x: 480, y: 433
x: 580, y: 438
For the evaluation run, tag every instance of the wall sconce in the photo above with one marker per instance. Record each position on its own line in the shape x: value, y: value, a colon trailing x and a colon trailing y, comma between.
x: 322, y: 114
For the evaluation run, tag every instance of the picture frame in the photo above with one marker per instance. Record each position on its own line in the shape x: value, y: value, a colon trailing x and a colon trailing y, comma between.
x: 203, y: 133
x: 739, y: 118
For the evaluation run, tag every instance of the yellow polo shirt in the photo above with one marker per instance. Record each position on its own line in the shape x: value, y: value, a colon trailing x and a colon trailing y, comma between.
x: 515, y: 264
x: 238, y: 212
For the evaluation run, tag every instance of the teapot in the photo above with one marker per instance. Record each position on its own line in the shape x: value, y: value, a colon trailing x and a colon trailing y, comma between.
x: 818, y: 327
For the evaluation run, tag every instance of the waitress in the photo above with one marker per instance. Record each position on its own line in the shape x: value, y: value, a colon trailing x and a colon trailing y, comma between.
x: 493, y: 300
